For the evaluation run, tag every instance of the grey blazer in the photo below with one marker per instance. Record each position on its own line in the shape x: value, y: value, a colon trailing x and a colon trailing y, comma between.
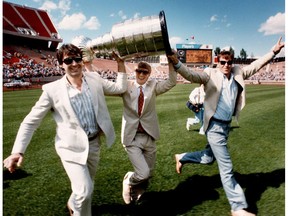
x: 212, y: 79
x: 148, y: 118
x: 71, y: 141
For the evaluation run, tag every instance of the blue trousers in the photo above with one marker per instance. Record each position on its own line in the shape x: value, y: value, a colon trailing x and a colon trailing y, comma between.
x: 217, y: 136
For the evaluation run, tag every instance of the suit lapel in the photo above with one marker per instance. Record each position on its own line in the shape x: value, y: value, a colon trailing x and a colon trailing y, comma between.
x: 133, y: 94
x: 220, y: 77
x: 93, y: 88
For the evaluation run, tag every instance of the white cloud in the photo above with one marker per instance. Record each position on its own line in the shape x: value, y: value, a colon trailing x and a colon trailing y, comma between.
x: 214, y: 18
x: 175, y: 40
x: 122, y: 15
x: 73, y: 22
x: 64, y: 6
x: 274, y: 25
x: 48, y: 6
x: 136, y: 15
x: 79, y: 21
x: 93, y: 23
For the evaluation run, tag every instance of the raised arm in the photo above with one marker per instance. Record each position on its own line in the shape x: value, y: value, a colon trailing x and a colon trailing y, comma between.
x: 120, y: 63
x: 278, y: 46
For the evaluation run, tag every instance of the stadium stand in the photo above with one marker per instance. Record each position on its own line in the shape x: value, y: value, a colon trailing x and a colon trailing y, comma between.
x: 30, y: 41
x: 29, y: 26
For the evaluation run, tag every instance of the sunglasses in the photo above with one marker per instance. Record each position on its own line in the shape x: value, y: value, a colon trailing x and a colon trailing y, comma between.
x: 224, y: 62
x: 145, y: 72
x: 69, y: 60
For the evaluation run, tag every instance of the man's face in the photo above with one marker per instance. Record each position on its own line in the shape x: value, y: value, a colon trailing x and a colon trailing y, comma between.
x: 225, y: 65
x: 142, y: 75
x: 73, y: 65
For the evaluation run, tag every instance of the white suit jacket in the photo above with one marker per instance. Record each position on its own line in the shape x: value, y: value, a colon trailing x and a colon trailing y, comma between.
x: 71, y: 141
x: 148, y: 118
x: 212, y: 78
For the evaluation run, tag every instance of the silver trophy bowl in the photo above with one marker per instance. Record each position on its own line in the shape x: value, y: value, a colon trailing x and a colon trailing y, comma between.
x: 134, y: 38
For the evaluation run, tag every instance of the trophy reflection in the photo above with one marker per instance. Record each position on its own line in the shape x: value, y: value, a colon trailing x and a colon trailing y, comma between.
x: 133, y: 38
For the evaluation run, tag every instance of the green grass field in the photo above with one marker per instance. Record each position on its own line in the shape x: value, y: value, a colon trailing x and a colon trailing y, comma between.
x: 257, y: 148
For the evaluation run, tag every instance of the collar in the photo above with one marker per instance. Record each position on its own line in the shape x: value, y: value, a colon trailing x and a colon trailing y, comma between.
x: 68, y: 84
x: 137, y: 85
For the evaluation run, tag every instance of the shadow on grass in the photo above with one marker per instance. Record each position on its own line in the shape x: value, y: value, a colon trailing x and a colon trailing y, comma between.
x: 192, y: 192
x: 18, y: 174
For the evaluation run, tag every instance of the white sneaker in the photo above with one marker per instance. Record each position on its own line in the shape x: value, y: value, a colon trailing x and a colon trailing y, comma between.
x: 188, y: 126
x: 201, y: 131
x: 126, y: 190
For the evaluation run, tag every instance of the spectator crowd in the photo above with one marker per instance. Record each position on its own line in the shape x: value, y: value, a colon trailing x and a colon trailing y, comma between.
x: 19, y: 66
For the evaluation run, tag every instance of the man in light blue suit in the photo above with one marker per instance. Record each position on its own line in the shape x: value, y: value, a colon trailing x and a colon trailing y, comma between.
x: 77, y: 103
x: 225, y: 97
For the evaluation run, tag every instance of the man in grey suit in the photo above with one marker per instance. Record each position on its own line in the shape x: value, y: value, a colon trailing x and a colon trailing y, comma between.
x: 140, y: 128
x: 77, y: 103
x: 225, y: 97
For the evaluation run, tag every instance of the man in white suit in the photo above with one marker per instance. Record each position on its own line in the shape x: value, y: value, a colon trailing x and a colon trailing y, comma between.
x: 77, y: 103
x: 225, y: 97
x: 140, y: 128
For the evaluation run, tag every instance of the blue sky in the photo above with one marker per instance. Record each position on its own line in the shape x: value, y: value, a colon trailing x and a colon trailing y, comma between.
x: 254, y: 25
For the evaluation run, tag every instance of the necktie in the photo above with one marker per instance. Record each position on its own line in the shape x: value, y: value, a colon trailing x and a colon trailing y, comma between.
x: 140, y: 101
x: 140, y: 106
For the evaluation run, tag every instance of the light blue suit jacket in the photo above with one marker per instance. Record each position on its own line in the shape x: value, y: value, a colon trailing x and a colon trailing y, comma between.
x: 71, y: 141
x: 212, y: 79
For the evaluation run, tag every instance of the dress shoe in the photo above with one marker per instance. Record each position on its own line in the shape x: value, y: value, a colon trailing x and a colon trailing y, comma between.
x: 178, y: 163
x: 126, y: 193
x: 242, y: 212
x: 136, y: 193
x: 70, y: 210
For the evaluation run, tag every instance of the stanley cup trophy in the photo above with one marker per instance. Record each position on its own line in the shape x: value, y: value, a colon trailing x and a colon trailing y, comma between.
x: 133, y: 38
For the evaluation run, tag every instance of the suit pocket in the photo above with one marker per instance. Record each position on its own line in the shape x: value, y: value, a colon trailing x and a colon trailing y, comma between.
x: 71, y: 139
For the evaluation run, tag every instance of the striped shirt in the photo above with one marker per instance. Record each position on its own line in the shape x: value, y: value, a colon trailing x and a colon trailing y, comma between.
x: 81, y: 102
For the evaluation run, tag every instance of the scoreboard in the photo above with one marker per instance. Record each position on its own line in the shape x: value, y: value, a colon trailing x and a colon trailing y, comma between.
x: 195, y: 53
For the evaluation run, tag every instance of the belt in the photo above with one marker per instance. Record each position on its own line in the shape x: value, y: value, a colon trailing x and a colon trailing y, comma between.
x: 92, y: 137
x: 221, y: 121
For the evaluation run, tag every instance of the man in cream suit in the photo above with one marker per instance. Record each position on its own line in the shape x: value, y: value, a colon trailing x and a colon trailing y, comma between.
x: 140, y: 128
x: 78, y: 106
x: 225, y: 97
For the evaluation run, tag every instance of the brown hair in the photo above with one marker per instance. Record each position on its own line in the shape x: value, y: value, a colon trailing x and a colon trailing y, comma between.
x: 67, y: 49
x: 144, y: 65
x: 226, y: 55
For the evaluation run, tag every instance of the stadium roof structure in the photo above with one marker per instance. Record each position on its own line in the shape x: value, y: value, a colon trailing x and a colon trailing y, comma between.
x: 29, y: 24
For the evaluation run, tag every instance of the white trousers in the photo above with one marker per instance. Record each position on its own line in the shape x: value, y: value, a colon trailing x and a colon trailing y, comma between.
x: 82, y: 180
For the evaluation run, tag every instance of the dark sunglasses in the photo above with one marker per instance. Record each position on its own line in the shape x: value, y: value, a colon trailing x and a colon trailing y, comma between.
x: 69, y: 60
x: 145, y: 72
x: 224, y: 62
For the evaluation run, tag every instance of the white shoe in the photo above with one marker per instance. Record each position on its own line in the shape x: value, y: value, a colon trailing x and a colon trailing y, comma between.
x: 188, y: 126
x: 201, y: 131
x: 126, y: 190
